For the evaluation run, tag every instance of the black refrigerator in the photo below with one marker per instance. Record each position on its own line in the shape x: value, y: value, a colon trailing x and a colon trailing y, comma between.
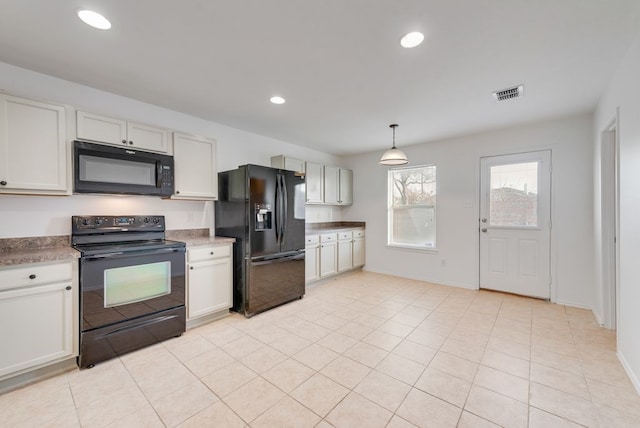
x: 263, y: 208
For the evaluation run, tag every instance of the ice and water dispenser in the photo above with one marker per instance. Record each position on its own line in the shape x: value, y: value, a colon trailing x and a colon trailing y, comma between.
x: 263, y: 213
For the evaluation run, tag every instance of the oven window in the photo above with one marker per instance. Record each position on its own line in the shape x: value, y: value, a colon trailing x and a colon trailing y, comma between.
x: 107, y: 170
x: 132, y: 284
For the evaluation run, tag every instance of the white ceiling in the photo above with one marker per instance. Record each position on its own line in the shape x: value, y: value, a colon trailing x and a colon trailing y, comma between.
x: 337, y: 62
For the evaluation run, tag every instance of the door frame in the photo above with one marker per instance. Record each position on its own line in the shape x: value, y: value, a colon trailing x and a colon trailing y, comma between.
x: 553, y: 292
x: 610, y: 224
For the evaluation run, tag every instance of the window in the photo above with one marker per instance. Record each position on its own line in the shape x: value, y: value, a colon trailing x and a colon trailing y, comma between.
x: 412, y: 207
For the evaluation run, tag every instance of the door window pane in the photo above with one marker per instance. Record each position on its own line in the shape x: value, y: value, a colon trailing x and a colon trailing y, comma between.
x: 136, y: 283
x: 513, y: 200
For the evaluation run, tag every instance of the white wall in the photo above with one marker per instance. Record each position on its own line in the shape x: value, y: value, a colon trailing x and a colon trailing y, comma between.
x: 41, y: 215
x: 457, y: 160
x: 624, y: 93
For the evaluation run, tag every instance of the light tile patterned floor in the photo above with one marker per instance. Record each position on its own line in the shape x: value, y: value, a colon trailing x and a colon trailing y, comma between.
x: 360, y: 350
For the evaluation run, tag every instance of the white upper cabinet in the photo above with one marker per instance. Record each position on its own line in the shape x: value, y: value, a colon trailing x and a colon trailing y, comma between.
x: 94, y: 127
x: 315, y: 183
x: 338, y: 186
x: 33, y: 147
x: 196, y: 175
x: 346, y: 187
x: 290, y: 164
x: 331, y: 184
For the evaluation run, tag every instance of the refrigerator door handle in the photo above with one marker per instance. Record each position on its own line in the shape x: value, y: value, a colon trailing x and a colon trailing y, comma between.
x: 279, y: 212
x: 285, y: 208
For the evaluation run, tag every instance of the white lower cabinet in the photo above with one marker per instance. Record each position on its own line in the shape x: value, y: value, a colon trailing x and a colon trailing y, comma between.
x: 358, y: 248
x: 331, y: 253
x: 209, y: 280
x: 312, y: 258
x: 38, y: 315
x: 328, y: 254
x: 345, y: 251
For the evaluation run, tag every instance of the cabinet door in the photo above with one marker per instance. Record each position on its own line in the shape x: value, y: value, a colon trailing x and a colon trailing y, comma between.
x: 358, y: 252
x: 345, y: 255
x: 209, y: 287
x: 33, y: 147
x: 195, y: 167
x: 94, y: 127
x: 312, y: 263
x: 36, y: 326
x: 328, y: 259
x: 290, y: 164
x: 331, y: 185
x: 293, y: 164
x: 314, y: 183
x: 346, y: 187
x: 148, y: 138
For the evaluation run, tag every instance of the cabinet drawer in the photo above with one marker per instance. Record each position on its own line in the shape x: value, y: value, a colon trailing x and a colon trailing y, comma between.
x: 328, y: 237
x: 343, y: 236
x: 312, y: 239
x: 208, y: 253
x: 358, y: 233
x: 26, y: 275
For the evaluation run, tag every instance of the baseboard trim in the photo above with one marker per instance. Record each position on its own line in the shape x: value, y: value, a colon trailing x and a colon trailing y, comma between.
x: 574, y: 305
x: 433, y: 281
x: 630, y: 372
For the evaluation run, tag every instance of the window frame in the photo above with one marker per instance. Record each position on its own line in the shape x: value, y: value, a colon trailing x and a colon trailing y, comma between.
x: 390, y: 192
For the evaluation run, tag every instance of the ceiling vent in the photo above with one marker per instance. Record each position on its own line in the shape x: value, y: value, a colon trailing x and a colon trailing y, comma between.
x: 509, y: 93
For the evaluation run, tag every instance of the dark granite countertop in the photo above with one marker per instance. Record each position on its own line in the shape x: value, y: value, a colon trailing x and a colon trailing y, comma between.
x: 41, y: 249
x: 36, y: 249
x: 197, y: 237
x: 333, y: 226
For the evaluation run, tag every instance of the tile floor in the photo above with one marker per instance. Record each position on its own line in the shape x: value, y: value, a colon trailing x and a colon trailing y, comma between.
x: 361, y: 350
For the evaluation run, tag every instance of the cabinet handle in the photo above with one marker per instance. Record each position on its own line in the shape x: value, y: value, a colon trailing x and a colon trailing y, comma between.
x: 4, y: 183
x: 32, y: 276
x: 124, y: 141
x: 68, y: 287
x: 131, y: 142
x: 177, y: 192
x: 211, y: 253
x: 191, y: 267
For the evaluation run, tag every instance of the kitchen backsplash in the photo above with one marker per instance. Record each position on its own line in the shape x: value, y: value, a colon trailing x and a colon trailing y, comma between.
x: 322, y: 213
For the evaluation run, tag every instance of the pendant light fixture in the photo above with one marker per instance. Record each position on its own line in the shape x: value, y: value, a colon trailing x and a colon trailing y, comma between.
x: 394, y: 156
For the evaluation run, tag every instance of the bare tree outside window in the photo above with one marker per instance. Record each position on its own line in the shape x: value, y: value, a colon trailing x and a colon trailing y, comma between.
x: 412, y: 207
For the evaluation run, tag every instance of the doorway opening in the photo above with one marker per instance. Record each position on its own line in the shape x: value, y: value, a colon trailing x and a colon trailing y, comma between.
x: 609, y: 206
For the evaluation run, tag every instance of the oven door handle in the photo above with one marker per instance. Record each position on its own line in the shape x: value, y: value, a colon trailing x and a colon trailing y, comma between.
x: 133, y: 253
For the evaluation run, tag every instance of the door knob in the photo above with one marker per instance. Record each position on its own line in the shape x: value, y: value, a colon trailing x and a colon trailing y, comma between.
x: 484, y: 229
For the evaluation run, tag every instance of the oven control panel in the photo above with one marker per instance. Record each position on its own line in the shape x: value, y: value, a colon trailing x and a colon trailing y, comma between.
x: 84, y: 223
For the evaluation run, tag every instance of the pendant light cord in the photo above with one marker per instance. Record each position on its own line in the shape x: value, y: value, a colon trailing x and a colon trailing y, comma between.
x: 394, y: 126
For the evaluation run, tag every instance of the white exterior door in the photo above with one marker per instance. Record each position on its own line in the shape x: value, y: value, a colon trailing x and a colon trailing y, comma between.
x: 515, y: 223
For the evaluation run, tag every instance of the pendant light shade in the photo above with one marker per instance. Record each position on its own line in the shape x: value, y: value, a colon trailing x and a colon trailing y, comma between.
x: 394, y: 156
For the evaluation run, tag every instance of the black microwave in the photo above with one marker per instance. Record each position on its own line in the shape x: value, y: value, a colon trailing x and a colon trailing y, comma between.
x: 105, y: 169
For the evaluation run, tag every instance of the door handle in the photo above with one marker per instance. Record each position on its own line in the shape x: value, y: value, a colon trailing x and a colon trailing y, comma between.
x: 484, y: 229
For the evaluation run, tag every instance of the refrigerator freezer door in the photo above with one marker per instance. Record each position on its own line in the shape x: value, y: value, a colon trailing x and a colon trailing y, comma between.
x: 293, y: 236
x: 274, y: 281
x: 263, y: 211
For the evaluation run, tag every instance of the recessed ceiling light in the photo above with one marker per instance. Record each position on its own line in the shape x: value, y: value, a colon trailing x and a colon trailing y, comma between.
x: 94, y: 19
x: 412, y: 40
x: 277, y: 100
